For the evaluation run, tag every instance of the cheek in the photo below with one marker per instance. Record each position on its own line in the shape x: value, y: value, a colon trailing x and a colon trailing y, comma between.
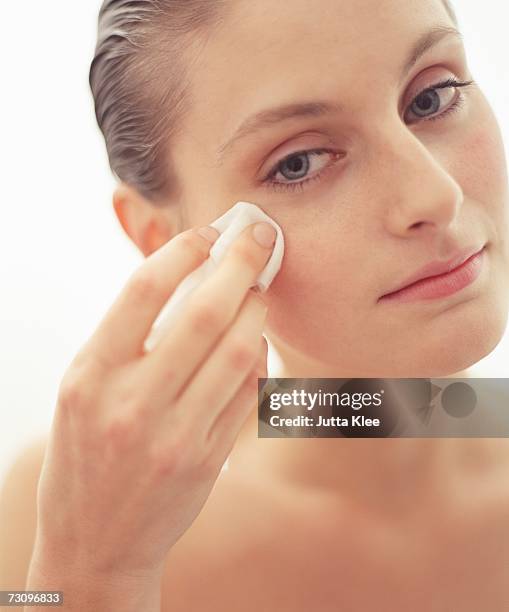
x: 313, y: 290
x: 481, y: 167
x: 293, y: 293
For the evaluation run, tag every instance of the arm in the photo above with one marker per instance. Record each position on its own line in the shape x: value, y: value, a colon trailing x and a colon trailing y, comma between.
x: 23, y: 569
x: 83, y: 592
x: 124, y: 415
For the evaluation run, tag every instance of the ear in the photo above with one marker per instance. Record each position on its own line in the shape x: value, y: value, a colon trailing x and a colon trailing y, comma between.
x: 147, y: 226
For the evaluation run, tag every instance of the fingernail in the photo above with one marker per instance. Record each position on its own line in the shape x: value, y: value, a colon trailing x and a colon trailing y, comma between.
x: 209, y: 233
x: 264, y: 234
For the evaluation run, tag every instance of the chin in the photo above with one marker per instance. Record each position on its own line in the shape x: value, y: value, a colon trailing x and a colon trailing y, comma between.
x: 452, y: 342
x: 463, y: 344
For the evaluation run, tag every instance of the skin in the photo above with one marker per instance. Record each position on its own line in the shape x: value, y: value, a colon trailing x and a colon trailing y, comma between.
x: 448, y: 175
x: 405, y: 193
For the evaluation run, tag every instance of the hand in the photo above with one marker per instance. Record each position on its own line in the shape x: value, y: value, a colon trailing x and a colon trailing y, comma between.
x: 138, y: 439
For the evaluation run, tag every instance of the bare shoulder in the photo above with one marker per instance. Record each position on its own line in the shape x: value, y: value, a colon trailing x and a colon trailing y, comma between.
x: 23, y: 471
x: 29, y: 457
x: 18, y: 512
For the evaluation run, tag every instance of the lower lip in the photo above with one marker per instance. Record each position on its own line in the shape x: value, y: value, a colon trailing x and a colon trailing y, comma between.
x: 442, y: 285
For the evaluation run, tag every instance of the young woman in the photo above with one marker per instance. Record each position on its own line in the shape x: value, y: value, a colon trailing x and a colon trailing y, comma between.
x: 358, y: 127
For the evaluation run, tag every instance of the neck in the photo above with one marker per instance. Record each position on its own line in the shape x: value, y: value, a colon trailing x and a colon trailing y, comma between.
x: 393, y: 475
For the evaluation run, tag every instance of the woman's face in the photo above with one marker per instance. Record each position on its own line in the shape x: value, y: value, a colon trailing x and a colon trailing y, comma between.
x: 377, y: 187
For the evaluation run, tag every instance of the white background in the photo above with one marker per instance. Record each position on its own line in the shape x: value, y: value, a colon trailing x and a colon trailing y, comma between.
x: 64, y: 255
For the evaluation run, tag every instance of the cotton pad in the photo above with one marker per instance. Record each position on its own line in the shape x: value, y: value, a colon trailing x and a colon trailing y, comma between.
x: 230, y: 225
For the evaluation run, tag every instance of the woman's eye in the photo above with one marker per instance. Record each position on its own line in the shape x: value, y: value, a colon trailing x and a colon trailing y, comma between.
x: 298, y: 165
x: 431, y: 100
x: 426, y: 107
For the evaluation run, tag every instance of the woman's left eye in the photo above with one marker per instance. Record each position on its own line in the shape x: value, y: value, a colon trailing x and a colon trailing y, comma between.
x: 298, y: 163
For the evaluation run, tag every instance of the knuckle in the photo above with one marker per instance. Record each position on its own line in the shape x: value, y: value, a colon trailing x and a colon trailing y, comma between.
x: 70, y: 397
x: 168, y: 378
x: 74, y: 392
x: 205, y: 317
x: 121, y: 430
x: 139, y: 408
x: 143, y: 286
x: 240, y: 354
x: 89, y: 362
x: 171, y: 459
x: 191, y: 241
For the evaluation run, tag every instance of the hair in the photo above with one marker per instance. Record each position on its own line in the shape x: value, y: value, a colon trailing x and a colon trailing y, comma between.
x: 139, y: 78
x: 139, y: 82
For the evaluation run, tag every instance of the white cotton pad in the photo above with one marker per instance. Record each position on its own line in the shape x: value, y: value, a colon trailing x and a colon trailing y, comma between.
x: 230, y: 225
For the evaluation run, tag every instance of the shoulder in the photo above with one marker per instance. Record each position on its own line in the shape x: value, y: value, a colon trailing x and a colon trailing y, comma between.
x: 18, y: 512
x: 24, y: 471
x: 30, y: 454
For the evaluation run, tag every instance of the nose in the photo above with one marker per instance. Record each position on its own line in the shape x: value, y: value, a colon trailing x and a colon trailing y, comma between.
x: 418, y: 194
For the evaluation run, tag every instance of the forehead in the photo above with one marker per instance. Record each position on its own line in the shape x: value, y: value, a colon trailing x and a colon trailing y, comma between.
x: 268, y: 52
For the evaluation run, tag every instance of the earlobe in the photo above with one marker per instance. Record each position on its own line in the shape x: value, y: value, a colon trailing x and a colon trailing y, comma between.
x: 153, y: 238
x: 146, y: 226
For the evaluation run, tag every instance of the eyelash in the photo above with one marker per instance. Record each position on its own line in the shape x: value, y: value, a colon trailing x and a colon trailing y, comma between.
x: 293, y: 186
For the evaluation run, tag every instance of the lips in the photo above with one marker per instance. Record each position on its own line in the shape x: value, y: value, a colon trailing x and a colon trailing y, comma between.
x: 436, y: 268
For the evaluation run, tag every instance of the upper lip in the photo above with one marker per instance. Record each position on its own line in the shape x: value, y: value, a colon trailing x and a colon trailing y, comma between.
x: 435, y: 268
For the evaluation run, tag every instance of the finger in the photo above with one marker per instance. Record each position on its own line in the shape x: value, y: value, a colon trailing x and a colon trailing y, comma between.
x: 224, y: 372
x: 120, y: 335
x: 226, y: 428
x: 211, y: 309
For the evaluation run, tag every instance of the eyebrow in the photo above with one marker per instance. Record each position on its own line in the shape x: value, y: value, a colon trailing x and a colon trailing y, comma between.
x: 269, y: 117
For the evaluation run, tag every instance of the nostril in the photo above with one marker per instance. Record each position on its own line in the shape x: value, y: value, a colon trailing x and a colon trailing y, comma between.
x: 416, y: 225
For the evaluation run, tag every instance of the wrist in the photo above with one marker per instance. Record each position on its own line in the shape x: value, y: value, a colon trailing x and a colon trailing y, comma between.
x: 84, y: 590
